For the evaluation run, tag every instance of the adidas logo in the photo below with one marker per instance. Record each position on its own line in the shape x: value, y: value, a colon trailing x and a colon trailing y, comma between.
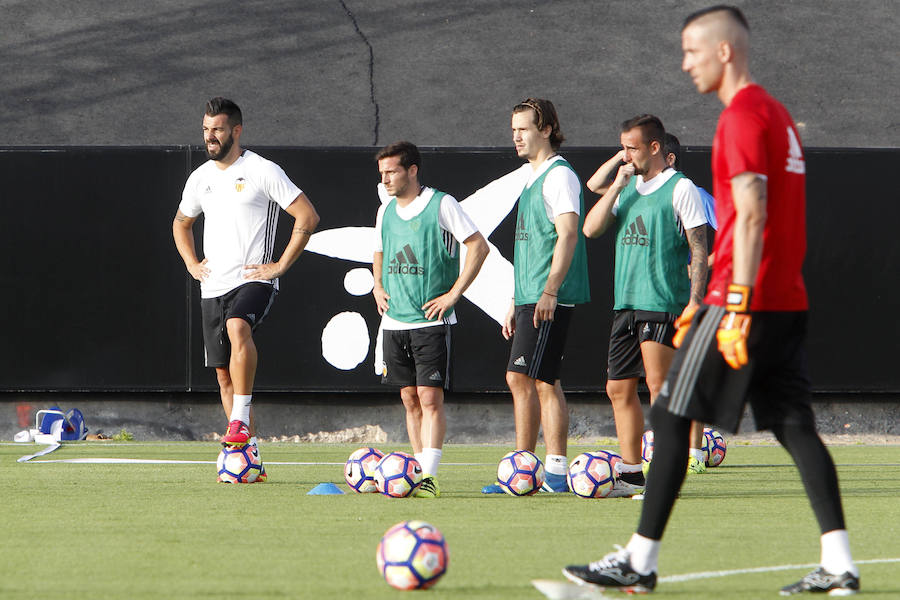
x: 636, y: 233
x: 405, y: 263
x: 521, y: 234
x: 520, y: 362
x: 436, y: 376
x: 252, y: 317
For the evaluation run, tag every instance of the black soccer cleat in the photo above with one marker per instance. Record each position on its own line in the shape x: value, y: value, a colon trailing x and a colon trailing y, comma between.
x: 821, y: 581
x: 612, y: 571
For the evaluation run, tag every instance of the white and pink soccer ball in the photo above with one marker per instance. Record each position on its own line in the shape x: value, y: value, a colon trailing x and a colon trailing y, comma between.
x: 359, y: 470
x: 412, y: 555
x: 238, y: 464
x: 398, y: 475
x: 714, y: 447
x: 520, y: 473
x: 592, y: 474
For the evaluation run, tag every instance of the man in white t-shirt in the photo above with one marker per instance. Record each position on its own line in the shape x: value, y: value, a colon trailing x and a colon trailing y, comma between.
x: 418, y: 281
x: 660, y: 224
x: 240, y: 195
x: 551, y: 278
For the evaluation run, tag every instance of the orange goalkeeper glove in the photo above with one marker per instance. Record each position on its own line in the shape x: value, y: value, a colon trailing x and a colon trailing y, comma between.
x: 683, y: 323
x: 735, y: 326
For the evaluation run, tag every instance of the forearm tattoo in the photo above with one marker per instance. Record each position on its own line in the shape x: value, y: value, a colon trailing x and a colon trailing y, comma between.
x: 699, y: 270
x: 301, y: 230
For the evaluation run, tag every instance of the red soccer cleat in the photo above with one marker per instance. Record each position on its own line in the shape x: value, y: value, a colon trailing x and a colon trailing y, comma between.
x: 237, y: 434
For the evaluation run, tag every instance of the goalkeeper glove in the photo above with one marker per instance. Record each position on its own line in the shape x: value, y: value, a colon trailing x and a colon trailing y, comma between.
x: 683, y: 323
x: 735, y: 326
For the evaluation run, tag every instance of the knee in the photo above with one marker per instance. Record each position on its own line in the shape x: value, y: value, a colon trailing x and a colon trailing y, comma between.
x: 239, y: 334
x: 410, y: 400
x: 224, y: 379
x: 619, y: 391
x: 431, y: 398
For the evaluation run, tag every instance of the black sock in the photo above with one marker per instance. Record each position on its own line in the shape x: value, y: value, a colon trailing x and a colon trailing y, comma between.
x: 671, y: 438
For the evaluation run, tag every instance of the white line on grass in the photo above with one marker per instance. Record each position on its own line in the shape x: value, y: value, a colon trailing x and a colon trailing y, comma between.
x: 712, y: 574
x: 154, y: 461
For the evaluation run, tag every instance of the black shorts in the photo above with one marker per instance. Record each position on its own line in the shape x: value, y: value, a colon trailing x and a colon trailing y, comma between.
x: 250, y: 302
x: 701, y: 386
x: 630, y: 329
x: 417, y: 357
x: 538, y: 353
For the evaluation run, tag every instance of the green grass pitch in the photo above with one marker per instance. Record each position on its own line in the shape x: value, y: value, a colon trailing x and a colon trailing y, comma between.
x: 153, y: 531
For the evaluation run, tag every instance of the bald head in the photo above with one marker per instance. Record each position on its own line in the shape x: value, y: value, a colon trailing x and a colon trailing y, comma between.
x: 716, y: 44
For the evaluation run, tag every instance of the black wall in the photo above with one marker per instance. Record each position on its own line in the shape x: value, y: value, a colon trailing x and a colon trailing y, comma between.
x: 95, y: 296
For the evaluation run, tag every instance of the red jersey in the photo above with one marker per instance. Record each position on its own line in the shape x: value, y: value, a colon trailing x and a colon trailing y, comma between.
x: 756, y: 134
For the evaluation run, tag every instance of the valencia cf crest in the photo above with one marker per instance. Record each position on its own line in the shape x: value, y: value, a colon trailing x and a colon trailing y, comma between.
x: 239, y: 184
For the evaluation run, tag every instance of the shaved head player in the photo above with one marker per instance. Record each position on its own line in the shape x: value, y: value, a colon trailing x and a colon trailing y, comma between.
x: 746, y: 343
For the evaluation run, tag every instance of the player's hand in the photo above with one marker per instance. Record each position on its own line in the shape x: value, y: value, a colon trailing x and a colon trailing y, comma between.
x: 435, y: 309
x: 267, y: 271
x: 509, y: 323
x: 199, y: 271
x: 381, y: 299
x: 544, y: 309
x: 626, y: 172
x: 735, y: 326
x: 683, y: 323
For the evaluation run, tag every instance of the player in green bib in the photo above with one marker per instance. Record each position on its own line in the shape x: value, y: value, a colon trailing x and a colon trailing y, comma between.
x: 418, y: 281
x: 659, y: 222
x: 550, y: 273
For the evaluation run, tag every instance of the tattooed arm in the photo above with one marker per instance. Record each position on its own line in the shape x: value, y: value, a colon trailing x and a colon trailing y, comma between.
x: 699, y: 269
x: 305, y: 220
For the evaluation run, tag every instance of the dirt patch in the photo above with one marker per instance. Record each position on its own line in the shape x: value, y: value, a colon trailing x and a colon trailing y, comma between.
x: 365, y: 434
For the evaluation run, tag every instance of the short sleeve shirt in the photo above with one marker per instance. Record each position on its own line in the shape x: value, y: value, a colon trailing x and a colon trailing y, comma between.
x: 240, y: 206
x: 756, y: 134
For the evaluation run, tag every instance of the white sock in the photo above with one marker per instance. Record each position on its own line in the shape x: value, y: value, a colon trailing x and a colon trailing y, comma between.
x: 643, y: 553
x: 836, y: 557
x: 698, y: 454
x: 430, y: 458
x: 556, y: 464
x: 240, y: 408
x: 622, y: 467
x: 252, y: 441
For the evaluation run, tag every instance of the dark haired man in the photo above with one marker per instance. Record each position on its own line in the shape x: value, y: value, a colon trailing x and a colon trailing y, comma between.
x: 746, y: 343
x: 420, y: 230
x: 239, y: 193
x: 659, y: 227
x: 550, y: 272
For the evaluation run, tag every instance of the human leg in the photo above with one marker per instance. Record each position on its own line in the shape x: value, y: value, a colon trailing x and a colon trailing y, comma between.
x: 410, y: 399
x: 629, y: 417
x: 526, y: 409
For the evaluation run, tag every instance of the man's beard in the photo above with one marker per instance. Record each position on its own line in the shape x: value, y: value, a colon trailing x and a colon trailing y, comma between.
x: 224, y: 149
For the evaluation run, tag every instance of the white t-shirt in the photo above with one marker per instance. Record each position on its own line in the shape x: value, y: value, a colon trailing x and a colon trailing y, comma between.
x: 452, y: 220
x: 562, y: 190
x: 240, y: 206
x: 686, y: 198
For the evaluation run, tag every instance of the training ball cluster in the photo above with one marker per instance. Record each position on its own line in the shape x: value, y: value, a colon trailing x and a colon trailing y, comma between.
x: 714, y: 447
x: 238, y: 464
x: 398, y: 475
x: 520, y: 473
x: 359, y: 470
x: 412, y: 555
x: 591, y: 475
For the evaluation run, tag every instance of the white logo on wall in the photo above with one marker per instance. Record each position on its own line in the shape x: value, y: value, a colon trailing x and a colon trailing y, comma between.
x: 345, y: 339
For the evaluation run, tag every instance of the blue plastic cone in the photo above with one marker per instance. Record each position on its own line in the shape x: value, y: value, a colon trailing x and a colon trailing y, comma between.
x: 325, y: 489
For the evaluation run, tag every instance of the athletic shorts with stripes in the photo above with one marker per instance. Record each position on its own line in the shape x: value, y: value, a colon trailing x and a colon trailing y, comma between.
x: 250, y: 302
x: 418, y: 357
x: 538, y: 352
x: 630, y: 329
x: 701, y: 386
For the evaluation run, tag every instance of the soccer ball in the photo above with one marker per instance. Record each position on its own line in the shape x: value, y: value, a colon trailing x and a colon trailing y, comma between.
x: 520, y: 473
x: 611, y: 457
x: 647, y: 446
x: 591, y: 475
x: 412, y: 555
x: 714, y: 447
x: 359, y: 470
x: 398, y: 475
x: 238, y: 464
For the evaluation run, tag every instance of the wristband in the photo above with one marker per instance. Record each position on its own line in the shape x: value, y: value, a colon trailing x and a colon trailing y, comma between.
x: 737, y: 298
